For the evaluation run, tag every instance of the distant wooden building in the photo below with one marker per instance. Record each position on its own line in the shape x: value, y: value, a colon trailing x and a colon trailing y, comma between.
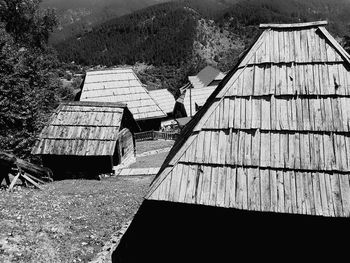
x: 209, y: 76
x: 263, y: 169
x: 87, y: 138
x: 165, y: 100
x: 201, y: 87
x: 122, y: 85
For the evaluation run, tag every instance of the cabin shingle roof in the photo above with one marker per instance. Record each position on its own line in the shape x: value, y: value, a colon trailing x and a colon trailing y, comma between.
x: 82, y: 129
x: 121, y: 85
x: 274, y: 135
x: 164, y: 98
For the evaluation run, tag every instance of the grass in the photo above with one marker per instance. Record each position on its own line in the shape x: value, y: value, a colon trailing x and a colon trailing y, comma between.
x: 71, y: 220
x: 147, y: 146
x: 150, y: 161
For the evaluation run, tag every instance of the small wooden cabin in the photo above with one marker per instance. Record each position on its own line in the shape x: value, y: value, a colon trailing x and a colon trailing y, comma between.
x: 198, y: 90
x: 123, y: 85
x: 83, y: 139
x: 263, y: 169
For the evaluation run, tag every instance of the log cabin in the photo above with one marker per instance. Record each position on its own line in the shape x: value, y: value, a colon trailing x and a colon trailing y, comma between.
x: 83, y: 139
x: 262, y: 172
x: 123, y: 85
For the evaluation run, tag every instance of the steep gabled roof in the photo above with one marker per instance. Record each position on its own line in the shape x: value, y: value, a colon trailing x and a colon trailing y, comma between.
x: 274, y: 135
x: 82, y: 129
x: 121, y: 85
x: 164, y: 98
x: 205, y: 77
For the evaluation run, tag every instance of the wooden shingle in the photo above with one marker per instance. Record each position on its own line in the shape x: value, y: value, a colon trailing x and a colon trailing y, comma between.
x: 274, y: 135
x: 121, y: 85
x: 82, y: 129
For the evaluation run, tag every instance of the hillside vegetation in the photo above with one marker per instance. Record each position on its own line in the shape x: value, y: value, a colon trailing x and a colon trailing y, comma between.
x: 79, y: 16
x: 157, y: 35
x: 174, y: 33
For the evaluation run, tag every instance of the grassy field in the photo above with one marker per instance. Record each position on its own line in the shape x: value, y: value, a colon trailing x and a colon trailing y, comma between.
x: 152, y: 161
x: 71, y: 220
x: 68, y: 221
x: 147, y: 146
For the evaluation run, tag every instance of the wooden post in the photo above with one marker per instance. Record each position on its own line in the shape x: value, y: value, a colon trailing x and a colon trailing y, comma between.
x: 14, y: 180
x: 190, y: 101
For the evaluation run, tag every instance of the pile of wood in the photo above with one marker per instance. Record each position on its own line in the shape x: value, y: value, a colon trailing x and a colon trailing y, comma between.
x: 20, y: 169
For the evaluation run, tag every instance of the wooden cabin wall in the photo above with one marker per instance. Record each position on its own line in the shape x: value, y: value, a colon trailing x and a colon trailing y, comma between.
x: 149, y: 125
x: 179, y: 110
x: 73, y: 167
x: 126, y: 145
x: 174, y: 232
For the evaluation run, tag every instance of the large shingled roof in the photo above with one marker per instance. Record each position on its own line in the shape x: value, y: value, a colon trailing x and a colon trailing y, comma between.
x: 274, y: 136
x: 121, y: 85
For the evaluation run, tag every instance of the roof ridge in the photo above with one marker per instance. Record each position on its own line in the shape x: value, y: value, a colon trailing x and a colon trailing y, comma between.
x: 94, y: 104
x: 295, y: 25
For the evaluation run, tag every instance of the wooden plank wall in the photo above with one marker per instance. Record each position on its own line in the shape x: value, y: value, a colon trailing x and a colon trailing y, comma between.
x: 126, y: 145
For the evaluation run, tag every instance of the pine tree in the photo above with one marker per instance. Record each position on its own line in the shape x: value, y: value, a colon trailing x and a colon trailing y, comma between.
x: 29, y: 85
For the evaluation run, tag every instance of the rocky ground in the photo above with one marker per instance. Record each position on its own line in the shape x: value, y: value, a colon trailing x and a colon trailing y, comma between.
x: 71, y: 220
x: 68, y: 221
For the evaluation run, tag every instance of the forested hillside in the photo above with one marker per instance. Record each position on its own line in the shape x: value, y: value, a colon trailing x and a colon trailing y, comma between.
x: 244, y: 17
x: 157, y: 35
x: 79, y: 16
x: 168, y: 34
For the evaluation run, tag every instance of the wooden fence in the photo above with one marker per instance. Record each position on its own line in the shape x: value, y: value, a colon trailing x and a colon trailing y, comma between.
x: 155, y: 135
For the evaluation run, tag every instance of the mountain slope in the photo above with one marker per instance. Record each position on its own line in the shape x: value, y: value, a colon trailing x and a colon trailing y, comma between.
x: 79, y: 16
x: 162, y: 34
x: 245, y: 16
x: 165, y: 34
x: 187, y: 31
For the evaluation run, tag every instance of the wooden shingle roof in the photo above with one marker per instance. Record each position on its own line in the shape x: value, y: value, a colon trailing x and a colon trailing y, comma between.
x: 205, y: 77
x: 164, y: 98
x: 82, y: 129
x: 121, y: 85
x: 274, y: 136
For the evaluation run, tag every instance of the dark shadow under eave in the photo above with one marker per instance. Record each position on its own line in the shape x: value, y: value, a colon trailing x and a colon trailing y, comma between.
x: 173, y: 232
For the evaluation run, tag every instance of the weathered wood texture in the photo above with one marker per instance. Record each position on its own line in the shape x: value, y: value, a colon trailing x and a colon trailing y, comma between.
x: 11, y: 161
x: 164, y: 98
x: 274, y: 136
x: 126, y: 145
x: 83, y: 129
x: 121, y: 85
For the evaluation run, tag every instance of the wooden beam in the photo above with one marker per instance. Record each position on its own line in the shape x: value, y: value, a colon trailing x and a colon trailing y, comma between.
x: 295, y: 25
x: 14, y: 181
x: 26, y: 177
x: 335, y: 44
